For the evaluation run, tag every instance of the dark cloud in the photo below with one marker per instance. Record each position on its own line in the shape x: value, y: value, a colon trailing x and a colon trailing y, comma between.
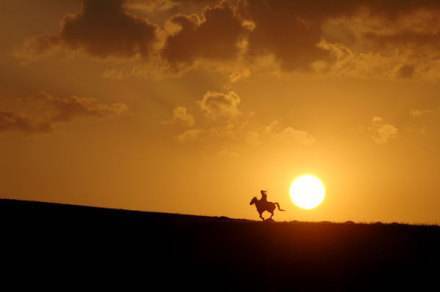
x: 103, y: 28
x: 215, y: 36
x: 54, y: 110
x: 10, y: 121
x: 406, y: 71
x: 403, y: 38
x: 68, y: 108
x: 289, y: 30
x: 164, y: 9
x: 394, y: 8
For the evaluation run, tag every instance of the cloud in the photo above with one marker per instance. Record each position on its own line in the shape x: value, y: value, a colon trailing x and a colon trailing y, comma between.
x: 213, y: 35
x: 418, y: 113
x: 182, y: 116
x: 36, y: 47
x: 382, y: 132
x: 286, y: 31
x: 10, y: 121
x: 228, y: 154
x: 216, y: 105
x: 417, y: 27
x: 291, y: 31
x: 189, y: 135
x: 400, y: 63
x: 67, y: 108
x: 397, y: 38
x: 242, y: 73
x: 54, y: 110
x: 224, y: 124
x: 102, y: 29
x: 296, y: 136
x: 166, y: 8
x: 276, y: 133
x: 146, y: 7
x: 220, y: 118
x: 406, y: 71
x: 390, y: 39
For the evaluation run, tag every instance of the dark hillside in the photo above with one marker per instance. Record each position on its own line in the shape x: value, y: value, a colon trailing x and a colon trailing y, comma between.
x: 213, y: 253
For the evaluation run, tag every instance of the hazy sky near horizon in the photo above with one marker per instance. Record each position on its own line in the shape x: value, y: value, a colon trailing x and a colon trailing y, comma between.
x: 194, y: 106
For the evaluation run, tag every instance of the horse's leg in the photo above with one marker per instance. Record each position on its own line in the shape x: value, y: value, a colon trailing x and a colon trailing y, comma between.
x: 261, y: 215
x: 271, y: 214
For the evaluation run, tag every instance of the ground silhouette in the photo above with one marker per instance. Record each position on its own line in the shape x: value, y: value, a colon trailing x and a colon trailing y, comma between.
x: 120, y: 248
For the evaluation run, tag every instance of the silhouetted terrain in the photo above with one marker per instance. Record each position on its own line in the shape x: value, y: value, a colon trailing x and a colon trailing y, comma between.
x: 124, y: 248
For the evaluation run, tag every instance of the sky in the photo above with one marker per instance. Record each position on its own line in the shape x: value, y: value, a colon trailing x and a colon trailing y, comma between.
x: 194, y: 106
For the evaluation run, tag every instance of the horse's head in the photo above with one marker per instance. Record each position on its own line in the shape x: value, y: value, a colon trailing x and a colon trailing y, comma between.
x: 254, y: 199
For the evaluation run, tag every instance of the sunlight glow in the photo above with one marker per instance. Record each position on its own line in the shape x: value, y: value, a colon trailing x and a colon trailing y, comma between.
x: 307, y: 192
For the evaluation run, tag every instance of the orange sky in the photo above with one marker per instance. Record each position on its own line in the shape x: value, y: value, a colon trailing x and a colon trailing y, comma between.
x: 194, y: 106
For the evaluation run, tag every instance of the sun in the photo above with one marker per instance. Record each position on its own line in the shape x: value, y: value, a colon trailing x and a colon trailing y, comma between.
x: 307, y: 191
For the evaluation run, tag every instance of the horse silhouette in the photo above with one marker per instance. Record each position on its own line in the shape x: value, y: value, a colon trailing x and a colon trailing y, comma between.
x: 264, y: 205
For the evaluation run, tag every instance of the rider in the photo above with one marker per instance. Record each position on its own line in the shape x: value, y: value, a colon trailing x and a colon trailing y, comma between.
x: 263, y: 196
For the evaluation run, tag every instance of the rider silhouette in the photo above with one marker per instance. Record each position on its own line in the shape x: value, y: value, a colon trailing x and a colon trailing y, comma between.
x: 263, y: 205
x: 263, y: 196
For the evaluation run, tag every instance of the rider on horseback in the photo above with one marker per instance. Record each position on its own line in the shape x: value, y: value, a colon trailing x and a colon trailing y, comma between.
x: 264, y: 205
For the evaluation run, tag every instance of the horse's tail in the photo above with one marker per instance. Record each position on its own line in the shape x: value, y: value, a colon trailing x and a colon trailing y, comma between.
x: 278, y: 205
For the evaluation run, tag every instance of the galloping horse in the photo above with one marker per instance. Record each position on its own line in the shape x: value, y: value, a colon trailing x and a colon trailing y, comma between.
x: 263, y: 205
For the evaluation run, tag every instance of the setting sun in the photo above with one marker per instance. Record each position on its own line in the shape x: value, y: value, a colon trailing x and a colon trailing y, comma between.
x: 307, y: 191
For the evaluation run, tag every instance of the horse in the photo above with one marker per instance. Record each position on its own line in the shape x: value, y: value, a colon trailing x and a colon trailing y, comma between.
x: 263, y: 205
